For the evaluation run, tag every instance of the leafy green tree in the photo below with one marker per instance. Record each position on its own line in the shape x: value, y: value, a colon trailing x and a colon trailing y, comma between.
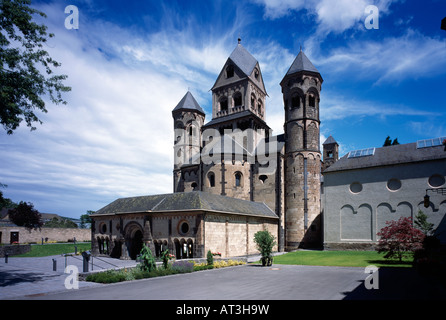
x: 265, y: 243
x: 389, y: 142
x: 210, y: 258
x: 421, y: 222
x: 60, y: 223
x: 147, y: 259
x: 86, y: 219
x: 6, y: 202
x: 24, y: 215
x: 26, y: 70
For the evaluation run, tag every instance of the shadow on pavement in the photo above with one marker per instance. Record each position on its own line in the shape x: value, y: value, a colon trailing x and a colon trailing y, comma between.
x: 399, y: 284
x: 13, y: 277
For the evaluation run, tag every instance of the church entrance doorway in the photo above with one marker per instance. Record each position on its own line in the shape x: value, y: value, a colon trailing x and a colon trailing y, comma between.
x: 134, y: 241
x: 135, y: 244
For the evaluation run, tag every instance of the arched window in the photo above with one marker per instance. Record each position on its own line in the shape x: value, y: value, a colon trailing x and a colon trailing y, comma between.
x: 253, y: 101
x: 224, y: 104
x: 229, y: 71
x: 295, y: 101
x: 256, y: 73
x: 238, y: 179
x: 211, y: 178
x: 237, y: 99
x: 259, y: 106
x: 312, y: 101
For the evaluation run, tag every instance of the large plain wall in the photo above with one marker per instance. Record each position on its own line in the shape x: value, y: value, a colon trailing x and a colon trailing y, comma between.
x: 358, y: 203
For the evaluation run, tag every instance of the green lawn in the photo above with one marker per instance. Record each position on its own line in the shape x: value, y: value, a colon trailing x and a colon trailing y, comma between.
x: 52, y: 249
x: 339, y: 258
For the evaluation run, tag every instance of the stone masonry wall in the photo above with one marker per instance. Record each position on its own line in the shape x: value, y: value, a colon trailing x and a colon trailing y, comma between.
x: 49, y: 234
x: 234, y: 235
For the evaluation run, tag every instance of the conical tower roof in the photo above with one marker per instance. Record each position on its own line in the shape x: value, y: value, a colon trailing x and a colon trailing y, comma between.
x: 301, y: 63
x: 330, y: 140
x: 188, y: 102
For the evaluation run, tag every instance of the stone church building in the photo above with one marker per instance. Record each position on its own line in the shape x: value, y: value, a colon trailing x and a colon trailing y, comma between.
x: 232, y: 177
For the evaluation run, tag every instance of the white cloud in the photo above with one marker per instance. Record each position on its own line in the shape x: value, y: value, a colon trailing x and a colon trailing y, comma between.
x: 331, y: 16
x: 115, y: 136
x: 390, y: 60
x: 335, y: 107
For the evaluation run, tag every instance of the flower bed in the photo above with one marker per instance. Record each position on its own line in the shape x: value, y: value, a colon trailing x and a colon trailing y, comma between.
x: 127, y: 274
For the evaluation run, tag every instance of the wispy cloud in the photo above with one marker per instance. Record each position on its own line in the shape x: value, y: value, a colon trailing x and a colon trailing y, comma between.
x: 336, y: 107
x: 393, y: 59
x: 330, y: 16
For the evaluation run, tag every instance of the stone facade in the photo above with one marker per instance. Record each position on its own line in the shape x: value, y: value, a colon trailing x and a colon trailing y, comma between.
x: 241, y: 158
x: 188, y: 224
x: 362, y: 193
x: 22, y: 235
x: 186, y: 235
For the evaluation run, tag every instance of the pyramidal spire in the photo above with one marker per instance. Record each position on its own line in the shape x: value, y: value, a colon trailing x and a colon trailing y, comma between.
x: 301, y: 63
x: 188, y: 102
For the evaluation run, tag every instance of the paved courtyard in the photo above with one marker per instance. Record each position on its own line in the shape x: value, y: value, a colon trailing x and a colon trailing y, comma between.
x: 34, y: 278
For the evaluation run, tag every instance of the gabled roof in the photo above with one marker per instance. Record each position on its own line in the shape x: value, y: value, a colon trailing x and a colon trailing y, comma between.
x: 244, y: 65
x: 243, y: 59
x: 330, y: 140
x: 391, y: 155
x: 183, y: 201
x: 301, y: 63
x: 188, y: 102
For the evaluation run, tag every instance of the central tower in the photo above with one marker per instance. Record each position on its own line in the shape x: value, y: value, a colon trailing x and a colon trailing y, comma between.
x: 301, y: 88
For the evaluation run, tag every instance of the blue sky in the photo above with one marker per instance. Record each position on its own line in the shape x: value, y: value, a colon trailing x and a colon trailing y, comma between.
x: 131, y: 62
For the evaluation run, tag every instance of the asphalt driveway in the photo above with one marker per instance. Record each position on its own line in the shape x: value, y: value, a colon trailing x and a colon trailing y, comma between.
x: 248, y: 282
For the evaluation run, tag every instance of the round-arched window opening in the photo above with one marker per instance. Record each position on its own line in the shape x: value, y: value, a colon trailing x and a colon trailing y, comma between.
x: 394, y: 184
x: 436, y: 181
x: 355, y: 187
x: 103, y: 228
x: 238, y: 179
x: 184, y: 227
x: 263, y: 178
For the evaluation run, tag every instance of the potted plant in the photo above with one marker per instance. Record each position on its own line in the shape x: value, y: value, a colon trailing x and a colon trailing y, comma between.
x: 265, y: 243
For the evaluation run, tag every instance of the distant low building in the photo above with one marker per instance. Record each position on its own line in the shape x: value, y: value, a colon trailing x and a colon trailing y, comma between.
x: 366, y: 188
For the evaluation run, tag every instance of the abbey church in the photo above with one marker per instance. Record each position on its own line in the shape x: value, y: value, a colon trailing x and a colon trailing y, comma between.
x: 232, y: 177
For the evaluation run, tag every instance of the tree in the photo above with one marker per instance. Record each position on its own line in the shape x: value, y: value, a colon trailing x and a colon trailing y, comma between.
x: 86, y: 219
x: 24, y: 215
x: 421, y: 222
x: 399, y: 238
x: 147, y: 260
x: 26, y: 70
x: 265, y: 243
x: 60, y: 223
x: 388, y: 142
x: 6, y: 202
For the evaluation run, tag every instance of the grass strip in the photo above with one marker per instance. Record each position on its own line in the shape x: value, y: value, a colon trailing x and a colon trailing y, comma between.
x: 339, y: 259
x: 51, y: 249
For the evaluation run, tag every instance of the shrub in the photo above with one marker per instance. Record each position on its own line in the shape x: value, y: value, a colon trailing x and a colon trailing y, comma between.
x: 110, y: 276
x: 165, y: 257
x: 202, y: 266
x: 399, y: 238
x: 147, y: 260
x: 265, y: 243
x: 210, y: 258
x: 182, y: 266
